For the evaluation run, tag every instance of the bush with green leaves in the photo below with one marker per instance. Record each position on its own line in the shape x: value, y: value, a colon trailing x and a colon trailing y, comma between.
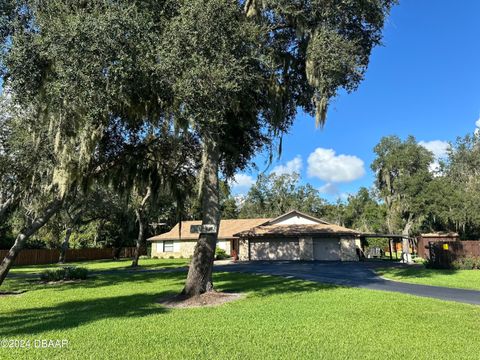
x: 466, y: 263
x: 64, y: 273
x: 419, y: 260
x: 220, y: 254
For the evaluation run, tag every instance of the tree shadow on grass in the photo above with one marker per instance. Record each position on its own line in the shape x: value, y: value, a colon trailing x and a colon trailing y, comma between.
x: 71, y: 314
x: 415, y: 272
x: 94, y: 281
x: 265, y: 285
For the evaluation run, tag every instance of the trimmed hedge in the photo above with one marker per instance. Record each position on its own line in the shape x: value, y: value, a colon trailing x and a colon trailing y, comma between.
x: 64, y: 273
x: 466, y: 263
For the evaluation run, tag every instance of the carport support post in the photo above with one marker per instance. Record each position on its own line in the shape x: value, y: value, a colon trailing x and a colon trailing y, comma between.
x: 390, y: 248
x: 406, y: 256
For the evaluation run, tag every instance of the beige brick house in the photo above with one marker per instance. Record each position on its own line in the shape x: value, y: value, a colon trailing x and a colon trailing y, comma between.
x: 181, y: 242
x: 292, y: 236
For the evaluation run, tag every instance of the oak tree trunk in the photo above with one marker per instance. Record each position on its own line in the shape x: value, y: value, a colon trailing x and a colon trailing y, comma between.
x: 118, y: 251
x: 65, y: 245
x: 406, y: 256
x: 199, y: 278
x: 140, y: 239
x: 25, y: 234
x: 140, y: 214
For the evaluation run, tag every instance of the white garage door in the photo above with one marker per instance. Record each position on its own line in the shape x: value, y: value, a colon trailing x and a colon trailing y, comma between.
x: 326, y: 249
x: 274, y: 250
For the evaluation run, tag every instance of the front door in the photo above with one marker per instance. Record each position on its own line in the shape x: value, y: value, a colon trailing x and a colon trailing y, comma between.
x: 234, y: 248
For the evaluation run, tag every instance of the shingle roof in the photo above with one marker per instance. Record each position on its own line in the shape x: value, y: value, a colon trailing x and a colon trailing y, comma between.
x: 296, y: 230
x: 226, y: 230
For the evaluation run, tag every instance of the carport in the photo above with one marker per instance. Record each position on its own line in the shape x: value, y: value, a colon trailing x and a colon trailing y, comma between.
x: 393, y: 240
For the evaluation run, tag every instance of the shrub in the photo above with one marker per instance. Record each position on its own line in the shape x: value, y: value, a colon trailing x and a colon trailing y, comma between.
x: 171, y: 257
x: 64, y: 273
x: 181, y: 257
x: 155, y: 257
x: 143, y: 257
x: 419, y: 260
x: 466, y: 263
x: 220, y: 254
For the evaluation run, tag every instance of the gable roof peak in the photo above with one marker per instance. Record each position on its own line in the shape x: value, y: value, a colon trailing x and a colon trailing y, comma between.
x: 298, y: 213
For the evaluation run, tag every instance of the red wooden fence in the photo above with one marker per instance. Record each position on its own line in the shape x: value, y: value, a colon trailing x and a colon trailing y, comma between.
x: 47, y: 256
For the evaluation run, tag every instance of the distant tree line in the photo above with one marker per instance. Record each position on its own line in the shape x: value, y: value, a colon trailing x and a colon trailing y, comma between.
x: 409, y: 196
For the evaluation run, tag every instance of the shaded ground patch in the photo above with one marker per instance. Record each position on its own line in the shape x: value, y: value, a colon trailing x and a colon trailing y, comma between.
x: 12, y: 293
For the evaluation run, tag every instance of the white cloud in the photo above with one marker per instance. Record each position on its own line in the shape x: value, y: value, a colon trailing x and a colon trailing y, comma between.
x: 242, y: 182
x: 439, y: 148
x: 477, y: 124
x: 328, y: 188
x: 326, y: 165
x: 434, y: 166
x: 292, y: 166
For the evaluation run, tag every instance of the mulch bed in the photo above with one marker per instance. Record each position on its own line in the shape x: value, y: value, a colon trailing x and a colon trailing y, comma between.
x: 60, y: 282
x: 211, y: 298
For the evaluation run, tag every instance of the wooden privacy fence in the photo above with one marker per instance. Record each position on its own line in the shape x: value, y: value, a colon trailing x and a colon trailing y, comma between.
x: 442, y: 255
x: 460, y: 248
x: 50, y: 256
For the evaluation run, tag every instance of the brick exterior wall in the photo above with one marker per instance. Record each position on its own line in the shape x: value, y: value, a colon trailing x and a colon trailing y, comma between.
x: 185, y: 248
x: 348, y: 250
x: 243, y: 250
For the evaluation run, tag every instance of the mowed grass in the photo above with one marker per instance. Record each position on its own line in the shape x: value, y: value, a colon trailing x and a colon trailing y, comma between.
x: 115, y: 316
x: 462, y: 279
x: 101, y: 265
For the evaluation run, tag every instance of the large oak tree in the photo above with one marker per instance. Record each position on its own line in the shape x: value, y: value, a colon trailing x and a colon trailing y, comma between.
x: 234, y: 73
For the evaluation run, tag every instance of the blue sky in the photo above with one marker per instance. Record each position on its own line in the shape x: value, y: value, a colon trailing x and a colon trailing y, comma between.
x: 424, y: 81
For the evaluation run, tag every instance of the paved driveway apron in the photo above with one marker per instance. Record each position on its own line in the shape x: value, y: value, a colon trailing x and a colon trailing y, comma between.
x: 356, y: 274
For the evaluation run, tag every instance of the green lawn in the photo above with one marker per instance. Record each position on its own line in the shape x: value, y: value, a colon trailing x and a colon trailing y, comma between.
x: 100, y: 265
x: 463, y: 279
x: 115, y: 316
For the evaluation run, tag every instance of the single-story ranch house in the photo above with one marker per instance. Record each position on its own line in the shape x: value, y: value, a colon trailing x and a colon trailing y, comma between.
x: 292, y: 236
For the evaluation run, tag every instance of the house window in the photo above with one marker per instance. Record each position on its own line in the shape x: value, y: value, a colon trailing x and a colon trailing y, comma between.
x: 168, y: 246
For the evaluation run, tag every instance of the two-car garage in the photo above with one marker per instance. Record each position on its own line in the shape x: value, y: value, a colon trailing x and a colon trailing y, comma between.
x: 296, y: 236
x: 324, y: 249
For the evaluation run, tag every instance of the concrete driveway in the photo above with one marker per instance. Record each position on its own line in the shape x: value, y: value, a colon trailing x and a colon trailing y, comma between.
x: 355, y: 274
